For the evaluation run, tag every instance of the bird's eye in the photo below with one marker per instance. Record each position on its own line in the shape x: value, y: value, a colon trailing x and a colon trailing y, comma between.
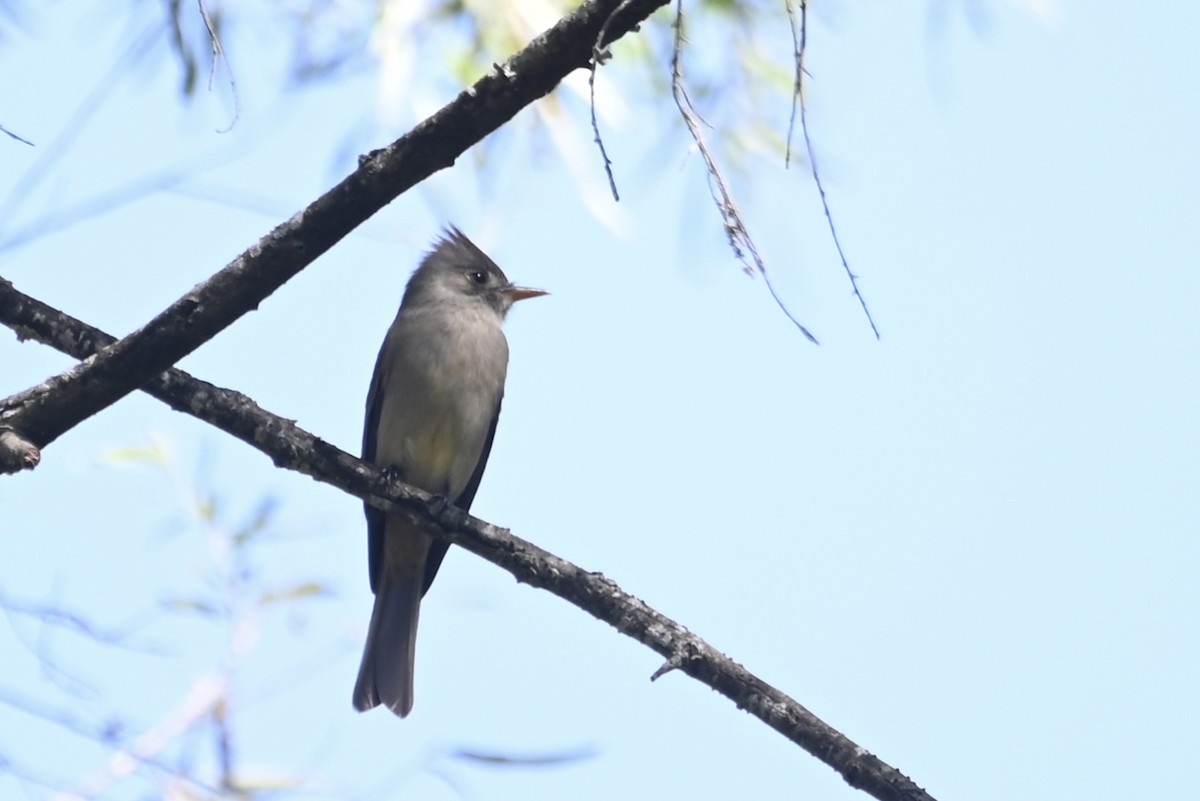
x: 478, y: 277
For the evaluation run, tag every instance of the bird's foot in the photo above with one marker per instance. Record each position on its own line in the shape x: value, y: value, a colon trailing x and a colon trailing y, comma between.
x: 439, y: 504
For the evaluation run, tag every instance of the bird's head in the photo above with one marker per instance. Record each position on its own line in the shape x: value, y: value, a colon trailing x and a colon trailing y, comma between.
x: 456, y: 270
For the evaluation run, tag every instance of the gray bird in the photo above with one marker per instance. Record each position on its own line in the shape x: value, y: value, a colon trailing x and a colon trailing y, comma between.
x: 431, y: 416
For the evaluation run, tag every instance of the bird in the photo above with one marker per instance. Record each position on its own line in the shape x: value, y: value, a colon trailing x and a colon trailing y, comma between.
x: 431, y: 415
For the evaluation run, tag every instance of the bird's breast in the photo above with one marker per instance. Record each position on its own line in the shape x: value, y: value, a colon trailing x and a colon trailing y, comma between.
x: 442, y: 389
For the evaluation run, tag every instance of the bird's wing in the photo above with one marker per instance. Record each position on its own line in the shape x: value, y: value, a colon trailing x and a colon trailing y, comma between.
x: 370, y: 431
x: 437, y: 551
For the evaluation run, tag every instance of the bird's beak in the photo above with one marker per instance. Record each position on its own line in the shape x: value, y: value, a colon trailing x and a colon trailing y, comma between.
x: 516, y: 293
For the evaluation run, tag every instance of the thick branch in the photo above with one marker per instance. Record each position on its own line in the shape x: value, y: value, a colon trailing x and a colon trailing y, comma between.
x: 43, y: 413
x: 290, y: 446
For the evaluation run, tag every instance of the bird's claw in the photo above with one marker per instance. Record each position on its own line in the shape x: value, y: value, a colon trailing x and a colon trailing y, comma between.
x: 438, y: 504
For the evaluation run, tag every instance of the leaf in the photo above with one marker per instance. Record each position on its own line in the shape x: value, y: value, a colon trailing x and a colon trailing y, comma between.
x: 194, y: 605
x: 306, y: 590
x: 258, y: 522
x: 154, y: 454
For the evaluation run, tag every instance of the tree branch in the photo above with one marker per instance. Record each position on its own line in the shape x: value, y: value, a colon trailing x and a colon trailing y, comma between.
x: 41, y: 414
x: 290, y: 446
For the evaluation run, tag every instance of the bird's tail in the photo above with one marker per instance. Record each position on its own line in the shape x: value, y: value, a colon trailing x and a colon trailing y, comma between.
x: 386, y: 674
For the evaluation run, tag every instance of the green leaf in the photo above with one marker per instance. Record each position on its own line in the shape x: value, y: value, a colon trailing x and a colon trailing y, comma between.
x: 306, y: 590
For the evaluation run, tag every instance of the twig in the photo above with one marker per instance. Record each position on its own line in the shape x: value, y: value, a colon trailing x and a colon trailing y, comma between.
x: 4, y: 130
x: 291, y: 447
x: 800, y: 46
x: 64, y: 619
x: 599, y: 140
x: 735, y: 229
x: 199, y: 702
x: 109, y: 734
x: 219, y: 57
x: 600, y: 54
x: 797, y: 86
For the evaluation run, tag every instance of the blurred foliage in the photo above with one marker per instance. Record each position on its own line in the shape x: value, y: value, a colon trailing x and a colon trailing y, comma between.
x: 502, y: 760
x: 203, y: 660
x: 738, y: 62
x: 12, y: 14
x: 739, y: 67
x: 227, y: 600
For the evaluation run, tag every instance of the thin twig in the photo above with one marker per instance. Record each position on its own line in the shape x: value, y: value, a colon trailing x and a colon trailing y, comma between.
x: 219, y: 57
x: 204, y: 694
x: 600, y: 54
x: 4, y: 130
x: 801, y: 46
x: 797, y: 86
x: 599, y: 140
x: 110, y: 734
x: 57, y: 617
x: 739, y: 238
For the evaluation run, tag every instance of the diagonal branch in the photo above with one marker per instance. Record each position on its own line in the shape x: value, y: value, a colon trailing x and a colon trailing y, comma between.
x: 290, y: 446
x: 41, y: 414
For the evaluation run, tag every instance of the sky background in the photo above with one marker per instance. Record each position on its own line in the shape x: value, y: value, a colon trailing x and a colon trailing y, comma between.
x: 971, y: 546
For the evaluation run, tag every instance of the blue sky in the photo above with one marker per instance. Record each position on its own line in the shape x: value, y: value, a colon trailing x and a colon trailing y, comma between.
x: 970, y: 546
